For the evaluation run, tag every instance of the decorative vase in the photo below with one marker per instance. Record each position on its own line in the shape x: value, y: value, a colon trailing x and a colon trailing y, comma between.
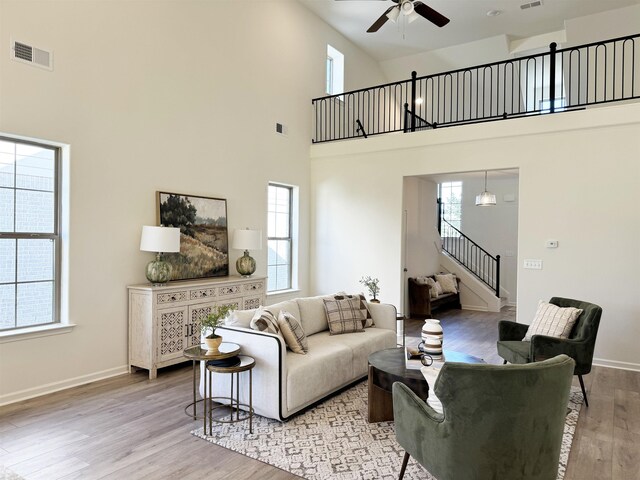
x: 246, y: 265
x: 213, y: 344
x: 158, y: 271
x: 432, y: 337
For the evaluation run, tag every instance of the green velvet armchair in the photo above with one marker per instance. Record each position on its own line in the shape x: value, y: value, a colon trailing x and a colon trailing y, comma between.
x: 498, y: 421
x: 579, y: 345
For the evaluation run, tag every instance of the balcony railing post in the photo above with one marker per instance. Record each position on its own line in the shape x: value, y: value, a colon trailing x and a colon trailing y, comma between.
x: 414, y: 74
x: 498, y: 276
x: 405, y: 128
x: 439, y: 216
x: 552, y: 77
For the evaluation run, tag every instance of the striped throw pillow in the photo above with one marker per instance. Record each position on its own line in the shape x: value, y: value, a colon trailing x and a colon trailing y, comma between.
x: 293, y: 333
x: 552, y: 321
x: 264, y: 321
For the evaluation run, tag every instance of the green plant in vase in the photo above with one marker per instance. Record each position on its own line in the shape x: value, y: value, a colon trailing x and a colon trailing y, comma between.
x: 211, y: 322
x: 372, y: 286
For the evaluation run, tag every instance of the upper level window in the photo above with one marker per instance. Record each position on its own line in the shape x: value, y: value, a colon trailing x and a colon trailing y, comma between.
x: 335, y: 71
x: 451, y: 197
x: 29, y: 234
x: 281, y: 237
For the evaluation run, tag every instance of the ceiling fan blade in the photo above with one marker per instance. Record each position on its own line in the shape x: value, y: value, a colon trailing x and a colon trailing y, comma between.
x: 430, y: 14
x: 381, y: 21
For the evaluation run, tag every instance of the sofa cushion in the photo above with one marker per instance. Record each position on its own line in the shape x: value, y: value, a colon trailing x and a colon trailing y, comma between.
x: 362, y: 346
x: 292, y: 332
x: 448, y: 283
x: 312, y: 314
x: 553, y: 321
x: 344, y: 315
x: 325, y: 368
x: 290, y: 306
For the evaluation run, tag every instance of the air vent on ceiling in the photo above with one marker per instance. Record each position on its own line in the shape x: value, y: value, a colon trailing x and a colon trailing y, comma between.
x: 537, y: 3
x: 37, y: 57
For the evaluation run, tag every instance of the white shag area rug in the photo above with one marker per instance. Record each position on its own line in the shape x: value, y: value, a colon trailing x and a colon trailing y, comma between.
x: 335, y: 441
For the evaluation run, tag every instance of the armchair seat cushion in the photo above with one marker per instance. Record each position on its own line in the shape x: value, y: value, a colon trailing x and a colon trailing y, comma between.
x: 515, y: 351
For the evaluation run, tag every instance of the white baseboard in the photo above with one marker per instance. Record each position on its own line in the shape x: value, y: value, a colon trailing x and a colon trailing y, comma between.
x: 475, y: 308
x: 61, y: 385
x: 601, y: 362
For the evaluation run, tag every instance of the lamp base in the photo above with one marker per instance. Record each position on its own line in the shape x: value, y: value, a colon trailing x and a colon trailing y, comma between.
x: 246, y: 265
x: 158, y: 271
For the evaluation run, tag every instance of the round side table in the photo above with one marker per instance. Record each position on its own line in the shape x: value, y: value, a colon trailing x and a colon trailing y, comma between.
x: 198, y: 354
x: 246, y: 365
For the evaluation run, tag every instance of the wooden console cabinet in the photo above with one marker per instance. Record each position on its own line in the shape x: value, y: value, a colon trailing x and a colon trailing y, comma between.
x: 165, y: 320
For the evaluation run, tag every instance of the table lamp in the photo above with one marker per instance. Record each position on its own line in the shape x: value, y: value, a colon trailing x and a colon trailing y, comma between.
x: 246, y: 240
x: 160, y: 240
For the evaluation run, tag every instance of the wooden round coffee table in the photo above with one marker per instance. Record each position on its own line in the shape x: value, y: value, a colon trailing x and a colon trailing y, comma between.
x: 387, y: 367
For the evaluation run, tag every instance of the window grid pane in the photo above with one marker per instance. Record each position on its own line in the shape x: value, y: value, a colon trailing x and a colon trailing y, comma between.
x: 279, y: 238
x: 28, y: 208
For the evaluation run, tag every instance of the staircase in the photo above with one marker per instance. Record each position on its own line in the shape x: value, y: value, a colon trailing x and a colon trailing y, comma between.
x: 478, y: 270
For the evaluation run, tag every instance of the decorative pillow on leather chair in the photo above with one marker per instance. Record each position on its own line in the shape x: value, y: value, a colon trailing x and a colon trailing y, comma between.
x: 293, y: 333
x: 552, y: 321
x: 344, y: 316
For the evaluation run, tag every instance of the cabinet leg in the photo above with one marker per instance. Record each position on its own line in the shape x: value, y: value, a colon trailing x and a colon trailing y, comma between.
x: 153, y: 373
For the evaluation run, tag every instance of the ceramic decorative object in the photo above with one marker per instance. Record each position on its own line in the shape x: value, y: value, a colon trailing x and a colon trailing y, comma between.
x: 432, y: 337
x: 213, y: 344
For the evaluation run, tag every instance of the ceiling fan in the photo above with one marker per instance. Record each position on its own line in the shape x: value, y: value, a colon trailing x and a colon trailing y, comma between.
x: 412, y: 9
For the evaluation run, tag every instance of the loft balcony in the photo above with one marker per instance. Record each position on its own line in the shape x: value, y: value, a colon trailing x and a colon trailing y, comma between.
x: 557, y: 81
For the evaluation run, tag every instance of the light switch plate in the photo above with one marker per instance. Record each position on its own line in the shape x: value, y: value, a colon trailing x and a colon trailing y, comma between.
x: 533, y: 264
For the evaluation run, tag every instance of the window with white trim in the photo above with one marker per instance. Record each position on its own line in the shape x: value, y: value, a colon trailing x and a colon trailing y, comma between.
x: 335, y: 71
x: 29, y: 234
x: 281, y: 237
x: 450, y: 194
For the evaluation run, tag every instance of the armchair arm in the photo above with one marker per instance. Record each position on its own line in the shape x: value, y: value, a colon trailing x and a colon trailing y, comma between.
x: 544, y: 347
x: 419, y: 428
x: 508, y: 330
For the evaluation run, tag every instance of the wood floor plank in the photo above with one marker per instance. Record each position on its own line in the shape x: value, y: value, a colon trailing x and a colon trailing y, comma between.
x: 130, y: 427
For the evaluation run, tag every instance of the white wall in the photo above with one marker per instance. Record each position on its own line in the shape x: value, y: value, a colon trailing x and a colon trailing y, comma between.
x: 603, y: 26
x: 179, y: 96
x: 494, y: 228
x: 563, y: 160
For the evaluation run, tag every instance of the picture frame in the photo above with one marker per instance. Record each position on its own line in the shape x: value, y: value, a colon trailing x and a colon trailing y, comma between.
x: 204, y: 238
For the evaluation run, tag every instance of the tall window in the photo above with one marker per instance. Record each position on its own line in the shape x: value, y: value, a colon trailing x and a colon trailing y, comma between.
x: 451, y: 195
x: 29, y: 234
x: 335, y: 71
x: 280, y: 238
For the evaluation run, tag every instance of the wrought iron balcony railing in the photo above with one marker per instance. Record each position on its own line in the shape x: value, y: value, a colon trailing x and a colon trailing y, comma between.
x: 558, y: 80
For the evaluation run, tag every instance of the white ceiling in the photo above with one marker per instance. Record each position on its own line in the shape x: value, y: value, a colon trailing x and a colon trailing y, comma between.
x: 469, y: 22
x: 510, y: 173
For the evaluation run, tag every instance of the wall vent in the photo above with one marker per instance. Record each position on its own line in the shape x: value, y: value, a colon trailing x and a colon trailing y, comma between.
x: 536, y: 3
x: 37, y: 57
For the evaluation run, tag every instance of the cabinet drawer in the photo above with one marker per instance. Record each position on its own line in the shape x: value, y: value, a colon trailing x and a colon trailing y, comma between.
x: 253, y: 287
x: 171, y: 297
x: 202, y: 293
x: 229, y: 291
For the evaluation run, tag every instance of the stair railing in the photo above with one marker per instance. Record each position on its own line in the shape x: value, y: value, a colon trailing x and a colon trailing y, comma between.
x: 469, y: 254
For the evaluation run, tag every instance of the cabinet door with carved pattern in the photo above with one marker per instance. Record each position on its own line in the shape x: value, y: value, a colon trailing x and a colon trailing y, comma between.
x: 196, y: 314
x: 171, y: 332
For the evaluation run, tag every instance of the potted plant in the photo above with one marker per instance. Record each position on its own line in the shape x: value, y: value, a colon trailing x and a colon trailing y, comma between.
x: 372, y: 286
x: 211, y: 322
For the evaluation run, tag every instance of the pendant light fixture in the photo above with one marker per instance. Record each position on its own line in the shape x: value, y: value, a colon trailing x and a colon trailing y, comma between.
x: 485, y: 199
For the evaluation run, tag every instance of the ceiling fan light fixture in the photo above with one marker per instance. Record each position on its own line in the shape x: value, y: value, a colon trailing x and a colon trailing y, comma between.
x: 494, y: 13
x: 394, y: 14
x: 407, y: 7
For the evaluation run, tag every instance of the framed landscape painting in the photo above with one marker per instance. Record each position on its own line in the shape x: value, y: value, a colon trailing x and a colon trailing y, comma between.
x: 204, y: 246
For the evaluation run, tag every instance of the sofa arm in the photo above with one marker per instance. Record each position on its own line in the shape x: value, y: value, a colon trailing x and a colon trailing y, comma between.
x: 511, y: 330
x: 269, y: 352
x: 384, y: 315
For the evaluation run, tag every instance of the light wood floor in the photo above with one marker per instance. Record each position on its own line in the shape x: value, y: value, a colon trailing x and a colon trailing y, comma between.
x: 131, y: 428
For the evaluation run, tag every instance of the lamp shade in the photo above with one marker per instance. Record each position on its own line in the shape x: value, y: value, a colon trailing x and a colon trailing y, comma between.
x: 247, y: 239
x: 160, y: 239
x: 485, y: 199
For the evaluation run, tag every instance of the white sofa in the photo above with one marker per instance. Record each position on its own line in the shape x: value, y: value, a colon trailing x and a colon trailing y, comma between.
x: 285, y: 382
